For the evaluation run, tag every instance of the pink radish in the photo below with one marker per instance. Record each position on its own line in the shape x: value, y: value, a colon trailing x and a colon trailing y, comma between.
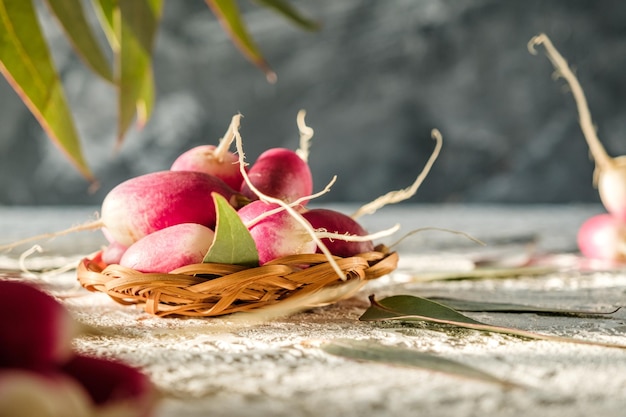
x: 26, y: 393
x: 276, y: 235
x: 610, y: 172
x: 113, y: 252
x: 336, y: 222
x: 113, y: 387
x: 205, y: 158
x: 603, y: 237
x: 169, y: 248
x: 145, y: 204
x: 35, y: 329
x: 279, y: 173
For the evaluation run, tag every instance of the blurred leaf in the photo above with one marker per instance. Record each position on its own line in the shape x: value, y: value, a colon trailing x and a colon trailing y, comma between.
x: 371, y: 351
x: 105, y: 9
x: 135, y: 23
x: 26, y: 63
x: 229, y: 16
x: 233, y: 243
x: 71, y: 15
x: 411, y: 308
x: 485, y: 306
x: 291, y: 13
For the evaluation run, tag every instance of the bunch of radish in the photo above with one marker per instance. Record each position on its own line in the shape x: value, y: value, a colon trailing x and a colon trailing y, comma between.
x: 602, y: 236
x: 40, y: 374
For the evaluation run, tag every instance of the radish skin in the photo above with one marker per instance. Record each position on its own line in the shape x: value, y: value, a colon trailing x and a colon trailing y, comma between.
x: 336, y: 222
x: 151, y: 202
x: 276, y: 235
x: 169, y: 248
x: 603, y: 236
x: 204, y: 158
x: 279, y: 173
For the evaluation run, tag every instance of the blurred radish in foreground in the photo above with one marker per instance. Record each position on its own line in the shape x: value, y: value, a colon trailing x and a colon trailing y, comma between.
x: 603, y: 236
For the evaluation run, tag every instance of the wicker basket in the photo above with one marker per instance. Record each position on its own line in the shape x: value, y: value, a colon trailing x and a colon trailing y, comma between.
x: 205, y: 290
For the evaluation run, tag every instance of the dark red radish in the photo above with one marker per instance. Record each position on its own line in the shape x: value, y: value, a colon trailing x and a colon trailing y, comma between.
x: 277, y: 235
x: 603, y: 236
x: 205, y: 158
x: 113, y: 385
x: 35, y: 329
x: 151, y: 202
x: 610, y: 173
x: 279, y: 173
x: 25, y: 393
x: 335, y: 222
x: 170, y: 248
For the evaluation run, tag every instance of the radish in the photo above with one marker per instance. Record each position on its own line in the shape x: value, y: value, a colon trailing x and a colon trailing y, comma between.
x: 610, y: 173
x: 169, y: 248
x: 336, y: 222
x: 214, y: 160
x: 114, y: 387
x: 113, y: 252
x: 276, y: 235
x: 145, y: 204
x: 279, y: 173
x: 35, y: 329
x: 603, y: 237
x: 26, y: 393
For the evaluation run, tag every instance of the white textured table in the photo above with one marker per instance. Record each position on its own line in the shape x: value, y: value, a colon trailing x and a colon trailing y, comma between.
x: 222, y: 367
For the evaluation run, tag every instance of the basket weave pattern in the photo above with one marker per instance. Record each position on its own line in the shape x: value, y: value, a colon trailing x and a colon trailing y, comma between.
x: 205, y: 290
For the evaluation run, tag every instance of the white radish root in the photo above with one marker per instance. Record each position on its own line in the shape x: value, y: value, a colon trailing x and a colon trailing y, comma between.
x: 306, y: 134
x: 94, y: 225
x: 393, y: 197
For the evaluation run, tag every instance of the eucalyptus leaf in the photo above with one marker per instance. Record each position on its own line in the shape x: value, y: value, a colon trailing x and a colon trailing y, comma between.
x: 486, y: 306
x: 286, y: 9
x: 372, y: 351
x: 412, y: 308
x: 232, y: 243
x: 26, y: 63
x: 71, y: 15
x: 229, y: 16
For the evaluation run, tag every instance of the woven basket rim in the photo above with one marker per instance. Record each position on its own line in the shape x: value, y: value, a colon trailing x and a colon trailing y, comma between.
x: 207, y: 290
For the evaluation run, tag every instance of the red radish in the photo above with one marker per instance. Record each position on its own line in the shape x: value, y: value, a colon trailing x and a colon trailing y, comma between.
x: 35, y: 329
x: 336, y: 222
x: 145, y: 204
x: 603, y: 237
x: 279, y: 173
x: 277, y: 235
x: 205, y: 158
x: 610, y: 172
x: 26, y: 393
x: 169, y: 248
x: 115, y: 388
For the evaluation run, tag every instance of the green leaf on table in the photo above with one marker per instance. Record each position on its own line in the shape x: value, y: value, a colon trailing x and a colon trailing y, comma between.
x: 26, y: 63
x: 71, y: 15
x: 486, y: 306
x: 286, y: 9
x: 135, y: 23
x: 412, y: 308
x: 232, y: 243
x: 372, y: 351
x: 229, y: 16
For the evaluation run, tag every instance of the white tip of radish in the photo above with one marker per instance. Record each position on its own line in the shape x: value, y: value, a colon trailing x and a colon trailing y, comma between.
x: 612, y: 187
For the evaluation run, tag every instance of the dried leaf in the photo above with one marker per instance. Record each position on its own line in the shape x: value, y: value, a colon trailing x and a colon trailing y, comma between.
x: 371, y: 351
x: 26, y: 64
x: 71, y: 15
x: 286, y: 9
x: 232, y: 243
x: 412, y: 308
x: 229, y: 16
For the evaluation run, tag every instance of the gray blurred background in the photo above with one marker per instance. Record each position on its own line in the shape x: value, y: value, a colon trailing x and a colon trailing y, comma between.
x: 374, y: 81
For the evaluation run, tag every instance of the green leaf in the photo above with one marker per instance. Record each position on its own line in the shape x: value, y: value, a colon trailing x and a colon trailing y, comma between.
x: 233, y: 243
x: 70, y: 14
x: 26, y: 63
x: 105, y: 10
x: 412, y: 308
x: 483, y: 306
x: 371, y: 351
x: 229, y: 16
x: 286, y: 9
x: 135, y: 23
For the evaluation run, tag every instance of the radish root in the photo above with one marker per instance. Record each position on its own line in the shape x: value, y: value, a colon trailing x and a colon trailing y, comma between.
x: 602, y: 159
x: 393, y: 197
x: 439, y: 229
x: 79, y: 228
x: 224, y: 144
x: 306, y: 134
